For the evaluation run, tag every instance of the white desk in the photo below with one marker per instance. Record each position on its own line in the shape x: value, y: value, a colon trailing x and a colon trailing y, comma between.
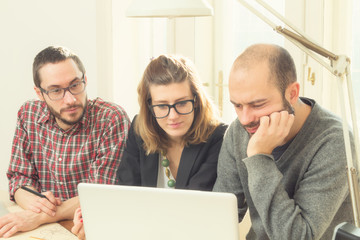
x: 52, y: 231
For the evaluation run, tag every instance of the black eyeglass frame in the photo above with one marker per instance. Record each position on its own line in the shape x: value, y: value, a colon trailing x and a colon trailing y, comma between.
x: 65, y: 89
x: 151, y: 107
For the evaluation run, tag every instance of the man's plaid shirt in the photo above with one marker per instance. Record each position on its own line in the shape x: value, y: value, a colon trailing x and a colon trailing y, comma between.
x: 50, y: 159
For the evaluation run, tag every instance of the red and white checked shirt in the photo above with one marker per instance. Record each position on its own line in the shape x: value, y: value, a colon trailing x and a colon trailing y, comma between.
x: 50, y: 159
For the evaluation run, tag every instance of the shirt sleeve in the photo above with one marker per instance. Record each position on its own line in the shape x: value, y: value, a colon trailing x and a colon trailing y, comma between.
x: 110, y: 150
x: 21, y: 169
x: 317, y: 197
x: 228, y: 179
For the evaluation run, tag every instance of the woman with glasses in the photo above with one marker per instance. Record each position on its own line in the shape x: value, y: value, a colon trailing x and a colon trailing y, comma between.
x: 174, y: 141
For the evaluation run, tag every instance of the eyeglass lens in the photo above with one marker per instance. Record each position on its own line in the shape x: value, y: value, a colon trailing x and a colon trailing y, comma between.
x: 183, y: 107
x: 75, y: 88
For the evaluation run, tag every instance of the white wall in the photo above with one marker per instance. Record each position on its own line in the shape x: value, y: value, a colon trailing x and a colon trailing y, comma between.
x: 131, y: 47
x: 26, y: 28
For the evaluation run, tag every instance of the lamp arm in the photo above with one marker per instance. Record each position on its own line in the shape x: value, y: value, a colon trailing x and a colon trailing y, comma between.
x: 284, y: 20
x: 298, y: 37
x: 308, y: 52
x: 352, y: 110
x: 351, y: 170
x: 310, y: 45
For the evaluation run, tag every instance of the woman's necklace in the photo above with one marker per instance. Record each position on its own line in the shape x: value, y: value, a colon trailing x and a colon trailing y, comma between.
x: 165, y: 163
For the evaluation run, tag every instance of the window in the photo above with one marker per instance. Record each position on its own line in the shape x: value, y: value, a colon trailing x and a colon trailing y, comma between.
x: 250, y: 29
x: 236, y: 28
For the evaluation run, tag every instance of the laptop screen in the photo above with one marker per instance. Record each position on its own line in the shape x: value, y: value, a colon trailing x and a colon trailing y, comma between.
x: 129, y: 212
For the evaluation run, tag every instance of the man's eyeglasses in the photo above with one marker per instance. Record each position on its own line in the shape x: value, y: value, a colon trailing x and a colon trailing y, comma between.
x: 162, y: 110
x: 75, y: 88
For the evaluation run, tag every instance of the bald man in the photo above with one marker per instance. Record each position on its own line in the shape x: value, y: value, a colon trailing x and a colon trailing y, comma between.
x: 284, y: 156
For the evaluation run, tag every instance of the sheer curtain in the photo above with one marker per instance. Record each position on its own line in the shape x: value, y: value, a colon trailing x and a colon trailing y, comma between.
x: 137, y: 40
x: 235, y: 29
x: 134, y: 44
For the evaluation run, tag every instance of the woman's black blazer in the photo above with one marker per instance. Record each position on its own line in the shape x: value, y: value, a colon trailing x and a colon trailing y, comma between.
x: 197, y: 168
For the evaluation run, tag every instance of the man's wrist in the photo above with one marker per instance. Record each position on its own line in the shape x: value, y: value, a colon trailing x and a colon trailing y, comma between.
x: 251, y: 152
x: 43, y: 218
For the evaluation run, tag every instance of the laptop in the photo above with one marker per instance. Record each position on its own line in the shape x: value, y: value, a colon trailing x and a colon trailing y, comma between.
x: 144, y: 213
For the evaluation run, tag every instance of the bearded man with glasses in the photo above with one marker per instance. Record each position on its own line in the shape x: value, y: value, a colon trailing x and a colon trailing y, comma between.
x: 60, y: 141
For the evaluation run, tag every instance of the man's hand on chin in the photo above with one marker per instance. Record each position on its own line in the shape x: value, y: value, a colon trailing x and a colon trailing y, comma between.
x: 271, y: 133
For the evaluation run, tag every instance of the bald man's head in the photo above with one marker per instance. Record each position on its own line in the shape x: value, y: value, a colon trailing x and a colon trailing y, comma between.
x: 281, y: 67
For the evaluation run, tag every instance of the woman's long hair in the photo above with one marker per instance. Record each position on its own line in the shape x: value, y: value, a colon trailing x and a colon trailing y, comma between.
x: 165, y: 70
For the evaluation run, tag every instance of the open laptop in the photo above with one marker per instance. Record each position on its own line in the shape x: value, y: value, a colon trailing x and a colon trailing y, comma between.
x: 143, y: 213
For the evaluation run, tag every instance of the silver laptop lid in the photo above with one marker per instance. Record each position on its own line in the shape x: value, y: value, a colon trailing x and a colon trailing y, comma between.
x: 142, y: 213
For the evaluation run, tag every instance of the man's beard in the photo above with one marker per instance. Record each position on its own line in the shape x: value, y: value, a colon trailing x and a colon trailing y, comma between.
x: 287, y: 107
x: 58, y: 116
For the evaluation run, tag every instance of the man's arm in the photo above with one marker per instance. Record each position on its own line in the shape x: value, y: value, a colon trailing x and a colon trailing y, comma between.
x: 228, y: 179
x: 22, y: 171
x: 111, y: 148
x: 320, y: 190
x: 28, y: 220
x: 30, y: 201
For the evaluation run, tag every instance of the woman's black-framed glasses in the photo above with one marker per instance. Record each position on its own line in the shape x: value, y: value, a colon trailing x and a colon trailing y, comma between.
x: 163, y: 110
x: 77, y: 87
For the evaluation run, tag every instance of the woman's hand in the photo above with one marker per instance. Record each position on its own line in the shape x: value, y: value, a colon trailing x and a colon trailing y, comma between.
x: 78, y: 228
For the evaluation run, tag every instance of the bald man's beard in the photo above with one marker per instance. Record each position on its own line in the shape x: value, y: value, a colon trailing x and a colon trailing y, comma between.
x: 288, y: 107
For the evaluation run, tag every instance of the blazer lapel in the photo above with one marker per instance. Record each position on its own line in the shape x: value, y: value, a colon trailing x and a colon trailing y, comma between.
x: 187, y: 160
x: 149, y: 170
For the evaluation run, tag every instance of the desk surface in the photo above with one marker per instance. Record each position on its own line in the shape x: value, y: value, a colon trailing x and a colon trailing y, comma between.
x: 52, y: 231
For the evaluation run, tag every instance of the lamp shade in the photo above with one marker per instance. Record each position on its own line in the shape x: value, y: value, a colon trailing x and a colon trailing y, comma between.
x: 169, y: 8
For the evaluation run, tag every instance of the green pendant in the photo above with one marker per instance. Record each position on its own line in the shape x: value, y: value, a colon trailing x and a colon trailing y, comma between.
x: 165, y: 162
x: 171, y: 183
